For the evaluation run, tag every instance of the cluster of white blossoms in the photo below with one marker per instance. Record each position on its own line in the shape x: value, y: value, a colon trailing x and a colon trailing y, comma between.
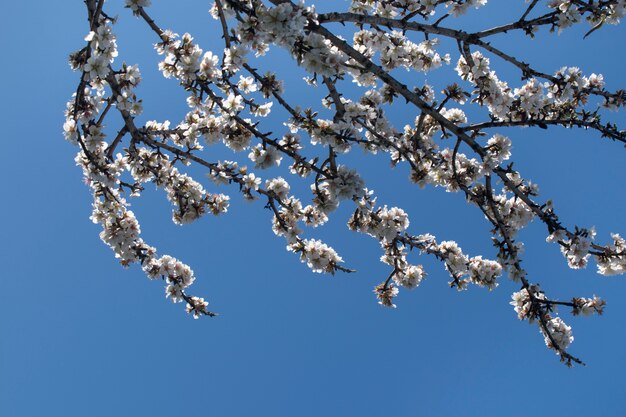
x: 575, y: 249
x: 103, y: 47
x: 494, y: 93
x: 529, y: 303
x: 483, y: 272
x: 197, y: 306
x: 387, y: 223
x: 382, y: 223
x: 514, y: 212
x: 571, y: 12
x: 283, y: 25
x: 317, y: 255
x: 177, y: 275
x: 120, y: 229
x: 556, y: 334
x: 188, y: 196
x: 614, y: 261
x: 410, y: 277
x: 346, y: 184
x: 479, y: 271
x: 525, y: 302
x: 397, y: 51
x: 265, y: 157
x: 389, y: 226
x: 135, y: 5
x: 400, y: 8
x: 103, y: 171
x: 550, y: 100
x: 228, y: 100
x: 498, y: 150
x: 588, y: 306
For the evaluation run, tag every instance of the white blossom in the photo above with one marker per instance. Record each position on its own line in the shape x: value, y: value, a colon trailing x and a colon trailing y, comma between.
x: 134, y: 5
x: 557, y: 332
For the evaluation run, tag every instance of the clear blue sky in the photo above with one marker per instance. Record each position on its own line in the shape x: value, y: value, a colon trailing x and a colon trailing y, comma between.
x: 82, y: 336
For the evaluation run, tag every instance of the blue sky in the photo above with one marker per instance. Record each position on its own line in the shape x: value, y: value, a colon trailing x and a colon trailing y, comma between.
x: 82, y: 336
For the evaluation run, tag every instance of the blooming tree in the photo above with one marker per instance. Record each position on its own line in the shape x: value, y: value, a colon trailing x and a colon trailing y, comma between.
x: 228, y: 99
